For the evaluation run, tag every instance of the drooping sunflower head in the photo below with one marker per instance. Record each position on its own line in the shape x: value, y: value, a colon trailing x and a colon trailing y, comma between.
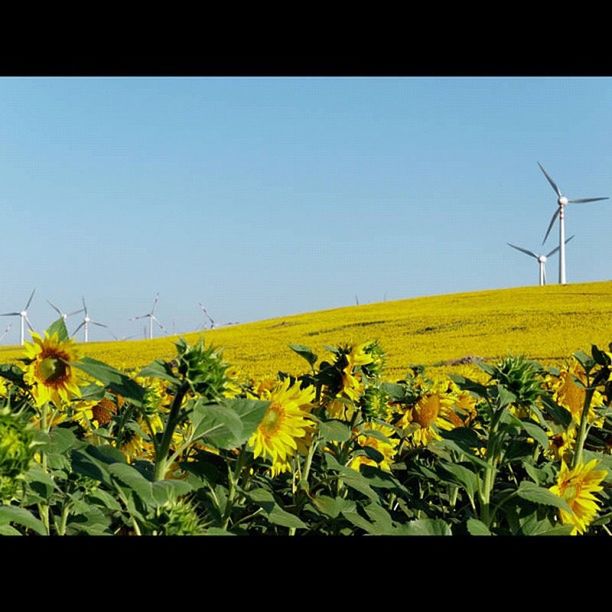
x: 286, y: 420
x: 422, y: 422
x: 578, y: 487
x: 49, y: 370
x: 569, y: 392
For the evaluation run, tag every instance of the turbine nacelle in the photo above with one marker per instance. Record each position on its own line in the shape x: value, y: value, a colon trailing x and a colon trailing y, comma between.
x: 542, y: 259
x: 562, y: 201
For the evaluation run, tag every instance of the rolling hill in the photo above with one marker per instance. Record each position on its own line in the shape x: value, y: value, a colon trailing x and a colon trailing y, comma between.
x: 545, y: 323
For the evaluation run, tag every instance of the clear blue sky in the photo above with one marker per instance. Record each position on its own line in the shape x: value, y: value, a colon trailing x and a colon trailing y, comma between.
x: 273, y: 196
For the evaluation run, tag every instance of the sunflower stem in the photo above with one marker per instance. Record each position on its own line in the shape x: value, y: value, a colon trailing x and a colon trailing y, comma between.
x: 161, y: 464
x: 233, y: 479
x: 580, y: 440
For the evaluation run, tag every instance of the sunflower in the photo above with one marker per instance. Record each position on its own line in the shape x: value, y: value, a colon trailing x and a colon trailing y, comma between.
x: 560, y: 444
x: 571, y: 396
x: 432, y: 412
x: 286, y: 420
x: 578, y: 487
x: 387, y: 448
x: 49, y: 372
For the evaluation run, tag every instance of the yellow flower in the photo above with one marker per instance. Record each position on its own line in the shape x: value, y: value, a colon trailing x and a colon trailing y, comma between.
x: 286, y: 420
x: 232, y: 383
x: 572, y: 396
x: 351, y: 384
x: 49, y: 373
x: 431, y: 412
x: 82, y: 413
x: 387, y: 449
x: 357, y: 355
x: 340, y: 409
x: 561, y: 444
x: 578, y: 487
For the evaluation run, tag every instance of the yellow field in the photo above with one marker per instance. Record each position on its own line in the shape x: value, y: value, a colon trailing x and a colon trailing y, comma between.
x: 545, y: 323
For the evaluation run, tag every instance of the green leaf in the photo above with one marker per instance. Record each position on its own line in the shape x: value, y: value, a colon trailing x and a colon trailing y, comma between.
x: 464, y: 476
x: 58, y: 327
x: 502, y: 396
x: 7, y: 530
x: 420, y: 527
x: 452, y: 445
x: 132, y: 478
x: 304, y: 352
x: 477, y: 528
x: 539, y: 495
x: 217, y: 531
x: 332, y: 507
x: 21, y: 516
x: 352, y: 478
x: 114, y: 380
x: 250, y: 412
x: 559, y: 530
x: 465, y: 437
x: 395, y: 391
x: 216, y: 424
x: 265, y: 500
x: 159, y: 369
x: 335, y: 431
x: 356, y: 519
x: 536, y: 432
x: 466, y: 384
x: 380, y: 517
x: 169, y: 490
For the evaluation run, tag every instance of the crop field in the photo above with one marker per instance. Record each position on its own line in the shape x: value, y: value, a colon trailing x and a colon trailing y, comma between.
x: 322, y: 423
x: 544, y: 323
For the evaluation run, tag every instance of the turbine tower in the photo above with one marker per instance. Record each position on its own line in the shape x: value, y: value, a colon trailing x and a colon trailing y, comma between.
x: 24, y: 317
x: 562, y: 202
x: 151, y: 316
x: 63, y: 315
x: 85, y: 323
x: 541, y: 259
x: 212, y: 323
x: 6, y: 331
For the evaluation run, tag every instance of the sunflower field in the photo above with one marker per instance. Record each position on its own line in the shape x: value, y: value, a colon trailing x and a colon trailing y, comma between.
x: 190, y: 445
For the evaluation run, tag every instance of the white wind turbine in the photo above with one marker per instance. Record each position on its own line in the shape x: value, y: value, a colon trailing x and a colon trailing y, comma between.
x: 64, y: 315
x: 24, y: 317
x: 212, y: 323
x: 85, y: 323
x: 151, y: 316
x: 6, y: 331
x: 541, y: 259
x: 562, y: 202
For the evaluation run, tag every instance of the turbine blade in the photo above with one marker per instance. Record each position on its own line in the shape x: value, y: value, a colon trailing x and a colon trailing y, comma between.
x: 28, y: 322
x: 84, y: 305
x: 557, y: 248
x: 141, y: 317
x: 552, y: 183
x: 155, y: 303
x: 30, y: 300
x: 585, y: 200
x: 10, y: 314
x: 552, y: 222
x: 98, y: 324
x: 59, y: 312
x: 158, y: 323
x: 526, y: 251
x: 77, y: 329
x: 75, y: 312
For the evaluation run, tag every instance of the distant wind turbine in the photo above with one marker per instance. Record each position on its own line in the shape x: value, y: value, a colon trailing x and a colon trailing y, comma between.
x: 23, y: 314
x: 151, y: 316
x: 541, y: 259
x: 85, y: 323
x: 6, y: 331
x: 63, y: 315
x: 212, y: 323
x: 120, y: 339
x: 562, y: 202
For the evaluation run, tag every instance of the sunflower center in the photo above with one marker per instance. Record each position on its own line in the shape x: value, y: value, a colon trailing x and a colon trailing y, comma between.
x: 52, y: 369
x: 273, y: 419
x: 426, y: 411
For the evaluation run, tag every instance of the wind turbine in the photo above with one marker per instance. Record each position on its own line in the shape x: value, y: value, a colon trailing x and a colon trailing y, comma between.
x: 151, y: 316
x: 24, y: 317
x: 63, y: 315
x: 541, y: 259
x: 6, y: 331
x: 212, y: 323
x: 562, y: 202
x: 85, y: 323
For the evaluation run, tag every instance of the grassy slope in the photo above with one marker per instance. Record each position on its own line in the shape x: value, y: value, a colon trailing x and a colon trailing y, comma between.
x: 546, y: 323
